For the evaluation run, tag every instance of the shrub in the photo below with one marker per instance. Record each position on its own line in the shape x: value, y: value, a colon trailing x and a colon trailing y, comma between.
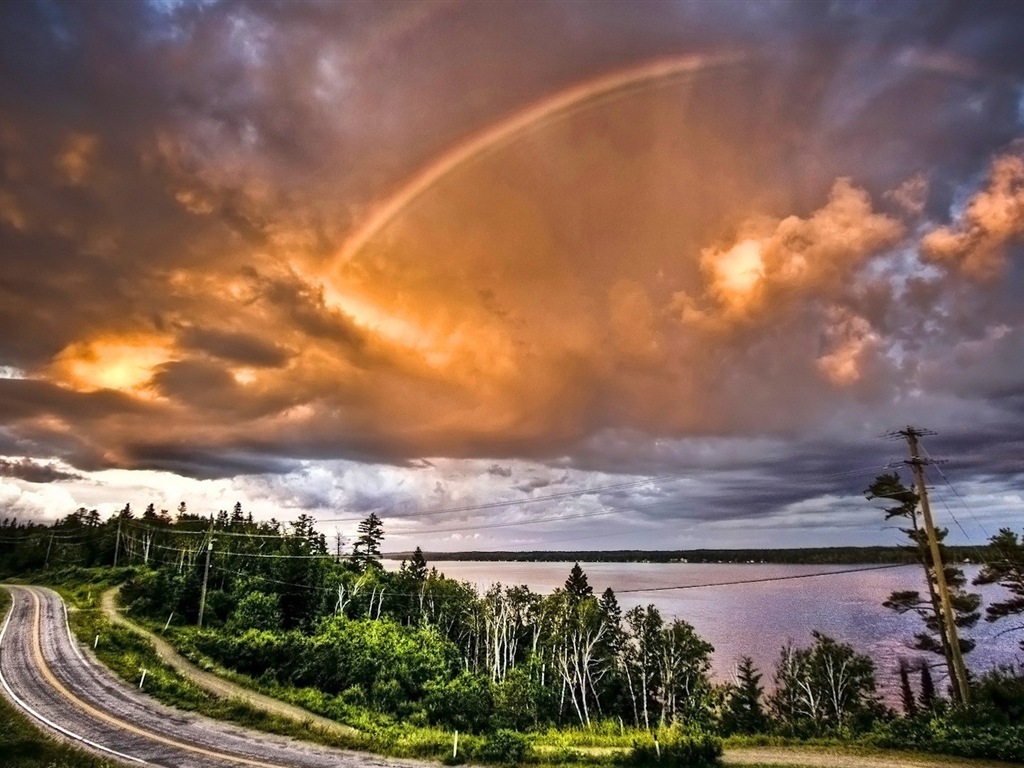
x: 255, y: 610
x: 464, y: 703
x: 999, y: 694
x: 505, y: 747
x: 953, y: 733
x: 678, y: 748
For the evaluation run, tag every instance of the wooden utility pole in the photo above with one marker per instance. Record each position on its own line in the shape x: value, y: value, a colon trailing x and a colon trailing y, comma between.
x: 206, y: 576
x: 957, y: 669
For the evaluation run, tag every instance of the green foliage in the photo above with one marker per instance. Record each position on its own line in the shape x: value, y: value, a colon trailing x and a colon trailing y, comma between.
x: 677, y: 747
x: 953, y: 731
x: 256, y: 610
x: 744, y: 711
x: 998, y: 696
x: 389, y: 662
x: 827, y: 688
x: 665, y: 669
x: 504, y: 747
x: 576, y: 585
x: 1006, y: 570
x: 416, y: 568
x: 465, y: 703
x: 520, y: 701
x: 366, y: 551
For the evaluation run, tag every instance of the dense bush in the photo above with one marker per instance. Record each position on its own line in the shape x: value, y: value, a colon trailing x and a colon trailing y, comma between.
x: 678, y: 747
x: 521, y: 702
x: 991, y: 727
x: 390, y: 663
x: 998, y: 697
x: 464, y: 703
x: 505, y: 747
x: 953, y: 733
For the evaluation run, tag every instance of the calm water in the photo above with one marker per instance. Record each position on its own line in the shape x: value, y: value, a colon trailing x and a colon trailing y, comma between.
x: 757, y: 619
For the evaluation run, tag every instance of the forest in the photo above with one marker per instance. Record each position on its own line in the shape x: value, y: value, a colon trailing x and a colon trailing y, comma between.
x: 380, y: 649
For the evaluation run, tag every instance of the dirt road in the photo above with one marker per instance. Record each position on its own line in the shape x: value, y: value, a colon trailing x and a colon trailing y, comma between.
x: 218, y: 686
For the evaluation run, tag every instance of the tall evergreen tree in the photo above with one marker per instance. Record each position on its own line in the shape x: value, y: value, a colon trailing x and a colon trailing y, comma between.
x: 577, y: 586
x: 366, y: 551
x: 744, y: 711
x: 418, y: 566
x: 906, y: 691
x: 927, y: 687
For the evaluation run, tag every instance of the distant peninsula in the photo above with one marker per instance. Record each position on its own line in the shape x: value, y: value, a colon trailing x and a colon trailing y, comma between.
x: 797, y: 556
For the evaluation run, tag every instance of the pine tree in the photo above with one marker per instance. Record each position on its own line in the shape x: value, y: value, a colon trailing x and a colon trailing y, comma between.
x: 744, y: 711
x: 906, y: 692
x: 418, y: 566
x: 577, y: 586
x: 366, y: 551
x: 927, y: 688
x: 1007, y: 570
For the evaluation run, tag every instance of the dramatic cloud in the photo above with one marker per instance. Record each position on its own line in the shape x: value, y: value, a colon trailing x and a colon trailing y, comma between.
x: 976, y: 243
x: 410, y: 258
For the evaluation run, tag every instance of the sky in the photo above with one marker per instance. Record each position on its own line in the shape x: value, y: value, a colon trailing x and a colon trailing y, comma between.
x: 546, y: 275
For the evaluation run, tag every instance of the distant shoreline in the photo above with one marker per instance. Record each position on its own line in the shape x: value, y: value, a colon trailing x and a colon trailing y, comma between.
x: 797, y: 556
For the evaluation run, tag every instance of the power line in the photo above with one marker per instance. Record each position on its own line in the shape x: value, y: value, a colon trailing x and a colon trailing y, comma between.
x: 956, y: 493
x: 765, y: 579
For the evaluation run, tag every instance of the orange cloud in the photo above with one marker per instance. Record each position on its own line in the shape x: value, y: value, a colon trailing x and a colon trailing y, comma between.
x: 975, y: 243
x: 121, y: 363
x: 773, y: 263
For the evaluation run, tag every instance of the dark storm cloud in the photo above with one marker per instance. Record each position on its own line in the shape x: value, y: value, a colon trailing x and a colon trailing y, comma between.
x: 193, y: 462
x: 238, y: 347
x: 27, y: 398
x: 35, y: 472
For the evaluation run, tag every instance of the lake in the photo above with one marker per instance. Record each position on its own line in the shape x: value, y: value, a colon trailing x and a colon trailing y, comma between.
x: 757, y: 619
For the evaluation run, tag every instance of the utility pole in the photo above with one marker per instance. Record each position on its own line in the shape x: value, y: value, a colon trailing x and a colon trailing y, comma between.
x: 117, y: 545
x: 206, y: 576
x: 48, y: 548
x: 916, y: 463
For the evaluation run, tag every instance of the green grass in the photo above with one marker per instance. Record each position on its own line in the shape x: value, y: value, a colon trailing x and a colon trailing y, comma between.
x: 23, y: 745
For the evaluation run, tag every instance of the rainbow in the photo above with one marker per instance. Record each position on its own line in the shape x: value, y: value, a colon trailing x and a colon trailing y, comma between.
x: 556, y: 106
